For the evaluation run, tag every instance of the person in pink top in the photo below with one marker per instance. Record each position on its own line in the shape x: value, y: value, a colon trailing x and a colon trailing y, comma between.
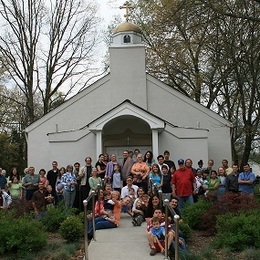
x: 183, y: 184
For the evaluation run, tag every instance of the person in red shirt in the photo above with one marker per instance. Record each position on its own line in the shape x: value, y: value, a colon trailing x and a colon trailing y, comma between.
x: 183, y: 184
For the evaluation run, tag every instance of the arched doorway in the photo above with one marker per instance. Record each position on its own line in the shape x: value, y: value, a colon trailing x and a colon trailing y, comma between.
x: 126, y: 132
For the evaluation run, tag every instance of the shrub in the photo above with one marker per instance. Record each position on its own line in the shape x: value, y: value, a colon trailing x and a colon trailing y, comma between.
x: 192, y: 212
x: 229, y: 203
x: 72, y: 229
x: 238, y: 231
x: 54, y: 217
x: 185, y: 228
x: 20, y: 235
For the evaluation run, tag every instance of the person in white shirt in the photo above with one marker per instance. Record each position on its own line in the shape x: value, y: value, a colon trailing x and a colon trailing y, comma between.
x: 129, y: 184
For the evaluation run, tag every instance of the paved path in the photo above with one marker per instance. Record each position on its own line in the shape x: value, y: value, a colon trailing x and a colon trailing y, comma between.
x: 123, y: 243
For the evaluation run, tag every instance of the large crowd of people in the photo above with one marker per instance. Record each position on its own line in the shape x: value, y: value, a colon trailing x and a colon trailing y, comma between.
x: 137, y: 185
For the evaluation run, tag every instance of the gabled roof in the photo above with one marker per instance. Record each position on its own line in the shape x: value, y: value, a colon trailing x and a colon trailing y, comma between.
x: 127, y: 108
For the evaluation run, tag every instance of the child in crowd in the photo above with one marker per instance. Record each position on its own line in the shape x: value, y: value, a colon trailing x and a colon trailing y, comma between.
x: 156, y: 236
x: 49, y: 198
x: 108, y: 204
x: 145, y: 200
x: 131, y: 194
x: 117, y: 182
x: 138, y: 214
x: 155, y: 246
x: 158, y: 214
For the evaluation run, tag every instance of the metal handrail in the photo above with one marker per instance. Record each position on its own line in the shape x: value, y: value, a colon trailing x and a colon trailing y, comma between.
x: 85, y: 203
x: 176, y: 220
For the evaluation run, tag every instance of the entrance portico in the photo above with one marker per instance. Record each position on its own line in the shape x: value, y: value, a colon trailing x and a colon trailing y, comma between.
x: 127, y: 125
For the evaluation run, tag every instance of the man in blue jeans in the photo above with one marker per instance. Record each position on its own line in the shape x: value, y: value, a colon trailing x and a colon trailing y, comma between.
x: 183, y: 184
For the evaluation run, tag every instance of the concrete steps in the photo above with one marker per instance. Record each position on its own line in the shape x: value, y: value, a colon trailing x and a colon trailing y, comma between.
x: 123, y: 243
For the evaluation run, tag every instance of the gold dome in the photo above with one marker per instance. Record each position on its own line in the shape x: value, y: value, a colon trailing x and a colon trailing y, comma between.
x: 126, y: 27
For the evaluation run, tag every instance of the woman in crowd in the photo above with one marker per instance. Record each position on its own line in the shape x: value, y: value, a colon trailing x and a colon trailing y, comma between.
x: 94, y: 180
x: 153, y: 204
x: 59, y: 187
x: 15, y: 189
x: 69, y: 182
x: 222, y: 180
x: 155, y: 175
x: 141, y: 195
x: 140, y: 172
x: 43, y: 178
x: 110, y: 168
x: 213, y: 184
x: 99, y: 206
x: 148, y: 158
x: 101, y: 166
x: 111, y: 220
x: 15, y: 173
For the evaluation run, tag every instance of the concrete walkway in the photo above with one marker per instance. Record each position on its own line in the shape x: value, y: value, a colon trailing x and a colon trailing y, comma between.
x: 123, y: 243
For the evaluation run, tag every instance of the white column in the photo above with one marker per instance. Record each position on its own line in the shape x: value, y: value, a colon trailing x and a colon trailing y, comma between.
x: 155, y: 143
x: 98, y: 143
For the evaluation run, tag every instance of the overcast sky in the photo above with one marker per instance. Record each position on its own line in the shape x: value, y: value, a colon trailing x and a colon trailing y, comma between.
x: 110, y: 8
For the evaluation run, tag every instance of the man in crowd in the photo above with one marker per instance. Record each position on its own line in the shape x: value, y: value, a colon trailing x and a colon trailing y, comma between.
x: 160, y: 160
x: 52, y: 177
x: 227, y: 169
x: 126, y: 166
x: 30, y: 183
x: 167, y: 160
x: 232, y: 180
x: 84, y: 174
x: 78, y: 200
x: 188, y: 165
x: 209, y: 167
x: 183, y: 184
x: 246, y: 180
x: 125, y: 190
x: 39, y: 200
x: 3, y: 180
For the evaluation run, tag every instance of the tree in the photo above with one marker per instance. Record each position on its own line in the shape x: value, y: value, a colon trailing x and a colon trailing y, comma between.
x: 46, y: 45
x: 212, y: 57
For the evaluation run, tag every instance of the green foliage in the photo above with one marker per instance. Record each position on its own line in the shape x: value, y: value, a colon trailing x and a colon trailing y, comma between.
x: 185, y: 228
x: 21, y: 235
x: 71, y: 229
x: 192, y: 213
x: 238, y: 231
x: 251, y: 253
x: 12, y: 151
x: 55, y: 216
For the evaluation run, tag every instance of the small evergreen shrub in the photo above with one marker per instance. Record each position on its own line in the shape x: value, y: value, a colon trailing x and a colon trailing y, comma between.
x: 21, y: 235
x: 238, y: 231
x: 192, y: 212
x: 55, y: 216
x: 72, y: 229
x: 186, y: 230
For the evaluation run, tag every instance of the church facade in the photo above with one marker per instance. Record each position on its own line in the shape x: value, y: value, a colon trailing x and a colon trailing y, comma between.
x: 128, y: 109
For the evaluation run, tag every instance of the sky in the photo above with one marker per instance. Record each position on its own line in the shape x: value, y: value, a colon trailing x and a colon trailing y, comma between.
x: 108, y: 10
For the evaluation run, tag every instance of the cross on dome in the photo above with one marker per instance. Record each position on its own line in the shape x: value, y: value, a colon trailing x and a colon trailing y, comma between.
x: 126, y: 6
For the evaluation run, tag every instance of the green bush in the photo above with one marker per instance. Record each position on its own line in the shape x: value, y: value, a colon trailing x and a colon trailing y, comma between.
x: 55, y: 216
x: 238, y: 231
x: 185, y: 228
x: 21, y: 235
x: 72, y: 229
x: 192, y: 213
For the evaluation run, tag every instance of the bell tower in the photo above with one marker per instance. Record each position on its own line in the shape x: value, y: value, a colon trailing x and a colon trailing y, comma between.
x: 127, y: 62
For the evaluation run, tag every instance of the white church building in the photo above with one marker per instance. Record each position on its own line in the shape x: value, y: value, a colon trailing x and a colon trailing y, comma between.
x: 128, y: 109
